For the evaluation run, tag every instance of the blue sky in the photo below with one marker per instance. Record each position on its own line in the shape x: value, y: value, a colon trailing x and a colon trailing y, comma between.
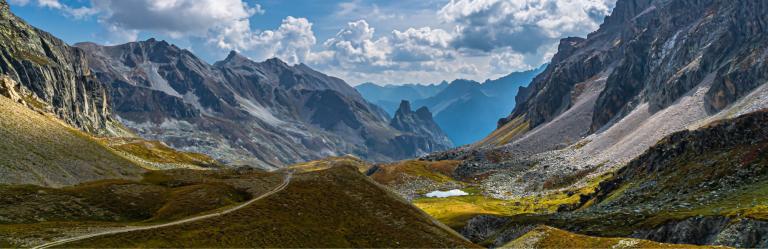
x: 387, y: 42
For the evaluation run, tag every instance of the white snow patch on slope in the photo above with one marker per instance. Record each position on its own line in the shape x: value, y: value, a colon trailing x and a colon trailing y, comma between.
x: 444, y: 194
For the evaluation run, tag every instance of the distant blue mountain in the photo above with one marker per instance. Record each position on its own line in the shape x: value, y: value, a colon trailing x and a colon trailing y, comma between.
x: 389, y: 97
x: 464, y: 109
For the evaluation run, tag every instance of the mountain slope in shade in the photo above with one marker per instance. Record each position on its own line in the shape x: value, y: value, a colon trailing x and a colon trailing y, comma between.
x: 265, y: 114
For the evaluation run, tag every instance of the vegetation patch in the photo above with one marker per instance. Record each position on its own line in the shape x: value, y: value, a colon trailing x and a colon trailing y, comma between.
x: 157, y: 152
x: 548, y: 237
x: 456, y: 211
x: 505, y: 134
x: 395, y: 173
x: 331, y: 208
x: 331, y: 162
x: 37, y: 214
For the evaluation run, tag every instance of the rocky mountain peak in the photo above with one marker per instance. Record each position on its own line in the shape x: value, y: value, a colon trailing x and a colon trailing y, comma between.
x: 276, y: 62
x: 419, y: 122
x: 405, y: 107
x: 233, y: 58
x: 424, y: 113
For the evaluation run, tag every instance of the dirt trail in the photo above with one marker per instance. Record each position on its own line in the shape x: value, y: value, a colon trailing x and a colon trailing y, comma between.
x: 279, y: 188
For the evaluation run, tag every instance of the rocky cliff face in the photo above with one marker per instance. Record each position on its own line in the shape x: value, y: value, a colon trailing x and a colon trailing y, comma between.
x: 46, y: 74
x: 653, y: 68
x: 264, y: 114
x: 656, y: 51
x: 420, y: 123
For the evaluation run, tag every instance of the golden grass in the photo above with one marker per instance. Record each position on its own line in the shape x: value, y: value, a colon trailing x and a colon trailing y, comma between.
x: 40, y: 149
x: 393, y: 173
x: 506, y: 133
x: 330, y: 162
x: 157, y: 152
x: 457, y: 210
x: 548, y: 237
x: 332, y: 208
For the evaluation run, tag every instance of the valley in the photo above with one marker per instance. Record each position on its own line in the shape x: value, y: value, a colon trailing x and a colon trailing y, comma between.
x: 649, y: 132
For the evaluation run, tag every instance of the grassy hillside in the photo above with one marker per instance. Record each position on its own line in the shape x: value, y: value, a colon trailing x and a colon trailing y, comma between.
x: 38, y: 149
x: 30, y: 214
x: 157, y: 155
x: 335, y: 207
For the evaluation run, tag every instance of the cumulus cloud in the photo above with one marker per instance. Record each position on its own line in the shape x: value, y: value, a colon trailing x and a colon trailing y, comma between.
x: 175, y: 17
x: 78, y: 13
x: 521, y: 25
x: 421, y: 44
x: 292, y: 41
x: 354, y: 46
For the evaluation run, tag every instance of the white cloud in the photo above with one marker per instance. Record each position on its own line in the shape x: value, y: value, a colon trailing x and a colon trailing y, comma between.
x: 521, y: 25
x: 175, y: 17
x: 291, y: 42
x: 354, y: 47
x: 421, y: 44
x: 508, y: 61
x: 78, y: 13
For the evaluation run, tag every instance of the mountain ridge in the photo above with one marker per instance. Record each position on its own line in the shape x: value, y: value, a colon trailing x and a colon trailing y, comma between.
x: 265, y: 114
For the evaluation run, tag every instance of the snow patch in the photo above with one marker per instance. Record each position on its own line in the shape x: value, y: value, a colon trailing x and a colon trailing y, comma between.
x: 444, y: 194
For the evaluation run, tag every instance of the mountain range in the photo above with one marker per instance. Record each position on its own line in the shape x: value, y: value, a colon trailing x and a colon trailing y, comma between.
x: 464, y: 109
x: 649, y: 132
x: 266, y: 114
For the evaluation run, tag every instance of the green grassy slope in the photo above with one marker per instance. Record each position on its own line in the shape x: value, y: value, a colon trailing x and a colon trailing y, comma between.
x: 38, y: 149
x: 31, y: 215
x: 336, y: 207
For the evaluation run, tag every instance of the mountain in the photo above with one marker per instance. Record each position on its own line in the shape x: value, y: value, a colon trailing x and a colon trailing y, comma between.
x: 461, y: 108
x: 420, y: 122
x: 651, y: 127
x: 265, y: 114
x: 389, y: 96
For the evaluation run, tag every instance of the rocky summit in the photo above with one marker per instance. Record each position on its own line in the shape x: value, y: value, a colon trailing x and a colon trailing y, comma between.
x: 265, y: 114
x: 420, y: 122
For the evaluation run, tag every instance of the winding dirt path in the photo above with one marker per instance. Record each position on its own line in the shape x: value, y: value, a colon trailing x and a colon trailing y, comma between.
x: 279, y: 188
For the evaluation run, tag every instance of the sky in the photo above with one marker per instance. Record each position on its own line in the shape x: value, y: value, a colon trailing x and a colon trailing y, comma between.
x: 380, y: 41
